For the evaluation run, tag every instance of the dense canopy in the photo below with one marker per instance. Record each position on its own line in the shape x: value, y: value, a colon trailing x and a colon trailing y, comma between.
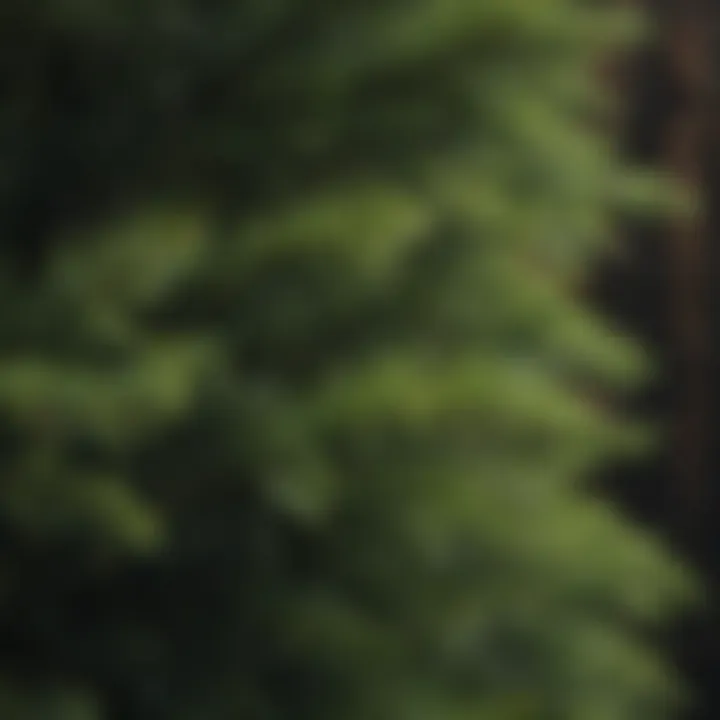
x: 296, y: 392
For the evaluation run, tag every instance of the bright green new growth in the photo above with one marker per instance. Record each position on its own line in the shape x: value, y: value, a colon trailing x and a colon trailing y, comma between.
x: 296, y: 393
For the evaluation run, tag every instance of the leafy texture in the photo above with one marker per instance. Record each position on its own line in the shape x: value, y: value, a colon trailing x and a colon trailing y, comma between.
x: 296, y: 394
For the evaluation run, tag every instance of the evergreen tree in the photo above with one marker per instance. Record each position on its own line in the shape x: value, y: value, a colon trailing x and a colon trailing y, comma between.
x: 296, y: 392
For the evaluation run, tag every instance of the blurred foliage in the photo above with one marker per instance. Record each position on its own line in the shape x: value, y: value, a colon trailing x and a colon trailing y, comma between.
x: 295, y: 388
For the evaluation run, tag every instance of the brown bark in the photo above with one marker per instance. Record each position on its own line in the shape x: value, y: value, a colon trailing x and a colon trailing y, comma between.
x: 689, y: 50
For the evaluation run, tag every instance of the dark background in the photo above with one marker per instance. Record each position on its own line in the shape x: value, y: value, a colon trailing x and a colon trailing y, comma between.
x: 639, y: 290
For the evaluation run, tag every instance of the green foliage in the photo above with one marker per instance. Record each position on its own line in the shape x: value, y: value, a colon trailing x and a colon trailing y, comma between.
x: 295, y: 390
